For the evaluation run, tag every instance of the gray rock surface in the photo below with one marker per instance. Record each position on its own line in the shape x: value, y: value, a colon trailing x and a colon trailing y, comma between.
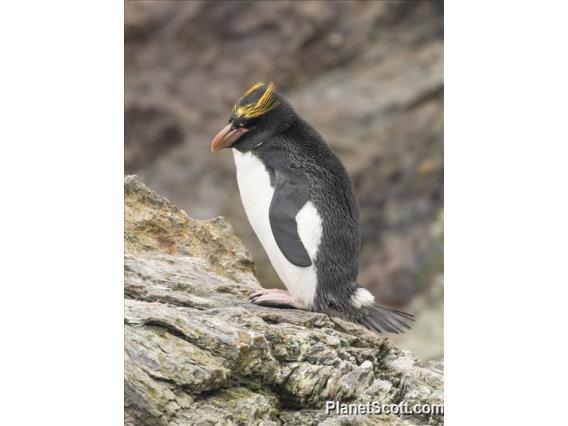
x: 198, y: 353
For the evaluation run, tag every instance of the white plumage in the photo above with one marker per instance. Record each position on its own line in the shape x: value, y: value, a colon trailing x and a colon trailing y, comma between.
x: 256, y: 194
x: 362, y: 297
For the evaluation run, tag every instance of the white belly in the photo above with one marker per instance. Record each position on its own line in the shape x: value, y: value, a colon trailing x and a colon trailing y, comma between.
x: 256, y: 194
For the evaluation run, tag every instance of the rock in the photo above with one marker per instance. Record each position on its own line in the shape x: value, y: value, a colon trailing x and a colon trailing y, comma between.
x: 197, y: 352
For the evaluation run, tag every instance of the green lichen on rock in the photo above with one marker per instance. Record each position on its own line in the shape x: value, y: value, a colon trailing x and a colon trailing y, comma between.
x: 197, y: 352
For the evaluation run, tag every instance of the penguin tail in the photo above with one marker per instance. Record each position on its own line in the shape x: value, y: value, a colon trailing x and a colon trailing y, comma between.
x: 378, y: 318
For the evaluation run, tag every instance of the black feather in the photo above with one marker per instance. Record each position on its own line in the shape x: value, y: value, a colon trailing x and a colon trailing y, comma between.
x: 381, y: 319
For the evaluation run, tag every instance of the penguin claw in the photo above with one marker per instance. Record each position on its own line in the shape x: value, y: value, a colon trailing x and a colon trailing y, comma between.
x: 264, y: 291
x: 275, y: 298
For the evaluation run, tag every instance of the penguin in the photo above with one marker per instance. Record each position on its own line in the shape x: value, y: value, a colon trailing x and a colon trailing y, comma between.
x: 301, y: 204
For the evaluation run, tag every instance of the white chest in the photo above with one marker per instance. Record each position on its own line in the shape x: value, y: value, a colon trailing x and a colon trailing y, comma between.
x: 256, y: 194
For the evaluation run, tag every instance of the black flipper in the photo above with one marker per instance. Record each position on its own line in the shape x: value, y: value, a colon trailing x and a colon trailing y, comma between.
x: 291, y: 193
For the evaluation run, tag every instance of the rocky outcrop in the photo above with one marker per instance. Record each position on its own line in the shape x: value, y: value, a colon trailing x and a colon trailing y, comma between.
x: 367, y: 75
x: 197, y: 352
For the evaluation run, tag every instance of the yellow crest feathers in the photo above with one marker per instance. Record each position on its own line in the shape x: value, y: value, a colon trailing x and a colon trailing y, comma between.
x: 267, y: 102
x: 252, y: 88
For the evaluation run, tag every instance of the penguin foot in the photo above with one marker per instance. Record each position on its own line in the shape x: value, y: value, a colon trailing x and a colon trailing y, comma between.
x: 275, y: 298
x: 266, y: 291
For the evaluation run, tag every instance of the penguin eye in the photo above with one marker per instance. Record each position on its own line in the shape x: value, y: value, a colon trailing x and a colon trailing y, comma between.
x: 237, y: 123
x: 249, y: 123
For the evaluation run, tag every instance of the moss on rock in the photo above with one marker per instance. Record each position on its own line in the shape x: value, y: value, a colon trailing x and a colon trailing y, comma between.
x: 197, y: 352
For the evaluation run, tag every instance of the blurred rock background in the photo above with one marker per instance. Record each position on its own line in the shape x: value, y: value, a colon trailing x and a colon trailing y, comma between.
x: 367, y: 74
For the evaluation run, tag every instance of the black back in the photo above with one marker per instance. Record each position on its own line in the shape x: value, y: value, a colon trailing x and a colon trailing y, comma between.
x: 300, y: 153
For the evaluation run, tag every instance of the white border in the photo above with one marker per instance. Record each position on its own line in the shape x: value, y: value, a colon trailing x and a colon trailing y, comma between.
x: 505, y: 212
x: 61, y: 153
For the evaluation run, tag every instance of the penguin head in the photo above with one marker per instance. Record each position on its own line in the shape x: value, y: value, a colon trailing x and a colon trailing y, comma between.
x: 257, y: 116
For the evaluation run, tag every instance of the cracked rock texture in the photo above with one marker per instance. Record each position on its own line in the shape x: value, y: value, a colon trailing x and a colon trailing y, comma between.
x: 198, y: 353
